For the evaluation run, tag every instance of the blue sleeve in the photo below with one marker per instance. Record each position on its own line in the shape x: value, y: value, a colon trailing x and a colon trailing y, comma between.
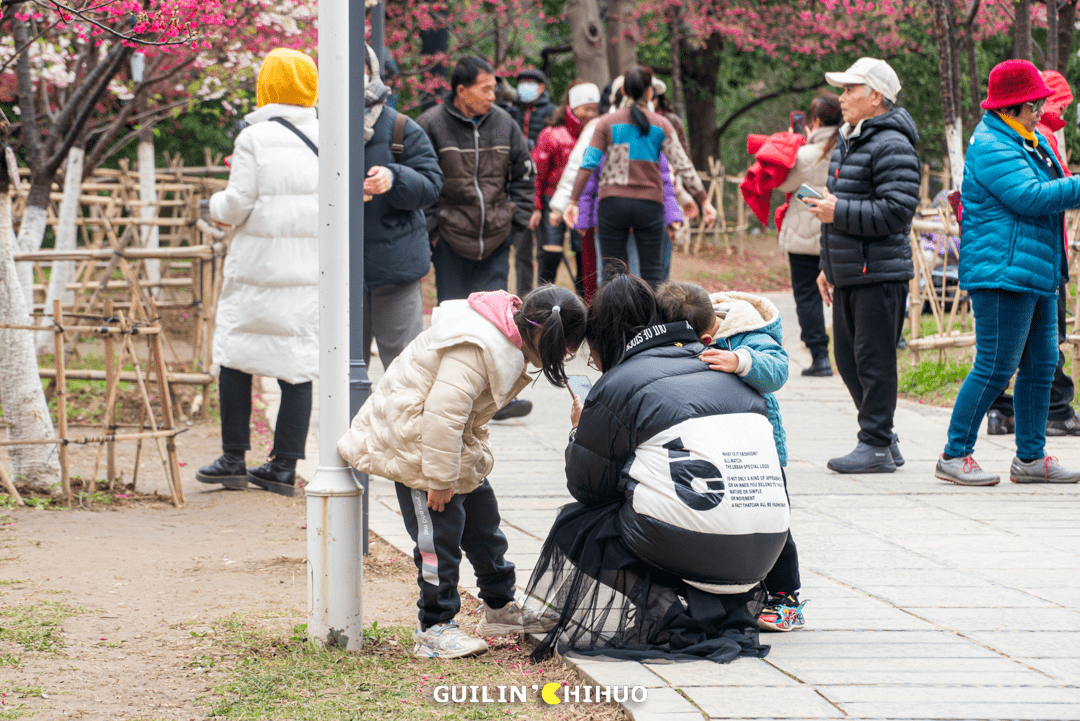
x: 1007, y: 176
x: 769, y: 369
x: 591, y: 158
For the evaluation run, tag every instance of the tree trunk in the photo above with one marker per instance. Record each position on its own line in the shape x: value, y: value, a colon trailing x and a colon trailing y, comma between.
x: 972, y: 61
x: 621, y: 50
x: 31, y: 233
x: 148, y: 194
x: 1052, y: 35
x: 700, y: 70
x: 587, y: 31
x: 1066, y: 26
x: 954, y: 137
x: 676, y: 69
x: 25, y: 408
x: 1022, y: 30
x: 63, y: 271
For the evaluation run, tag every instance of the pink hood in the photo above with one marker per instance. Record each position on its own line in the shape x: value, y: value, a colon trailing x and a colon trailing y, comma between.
x: 499, y: 307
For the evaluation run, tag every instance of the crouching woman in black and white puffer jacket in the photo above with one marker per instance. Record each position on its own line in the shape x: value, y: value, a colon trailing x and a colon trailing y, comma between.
x: 681, y: 506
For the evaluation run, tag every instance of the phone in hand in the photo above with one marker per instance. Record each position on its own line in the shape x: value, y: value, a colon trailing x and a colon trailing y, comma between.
x: 805, y: 191
x: 798, y: 122
x: 578, y: 386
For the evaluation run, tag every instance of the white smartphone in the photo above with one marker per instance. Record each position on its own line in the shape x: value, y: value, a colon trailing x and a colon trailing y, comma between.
x: 579, y: 386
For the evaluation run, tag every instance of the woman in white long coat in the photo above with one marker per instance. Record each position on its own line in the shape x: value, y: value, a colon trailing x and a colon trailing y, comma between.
x: 268, y: 315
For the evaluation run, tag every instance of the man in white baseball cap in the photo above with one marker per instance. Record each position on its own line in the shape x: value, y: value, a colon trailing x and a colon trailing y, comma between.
x: 871, y: 196
x: 871, y: 72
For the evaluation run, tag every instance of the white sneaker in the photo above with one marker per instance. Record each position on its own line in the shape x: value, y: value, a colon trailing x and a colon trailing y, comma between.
x: 1043, y: 470
x: 446, y: 640
x: 515, y: 617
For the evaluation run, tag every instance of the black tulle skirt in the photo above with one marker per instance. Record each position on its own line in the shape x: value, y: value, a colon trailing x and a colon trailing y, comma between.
x: 611, y: 603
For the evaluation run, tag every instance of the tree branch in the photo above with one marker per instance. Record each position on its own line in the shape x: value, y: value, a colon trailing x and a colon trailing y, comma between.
x: 131, y: 38
x: 121, y: 53
x: 758, y: 101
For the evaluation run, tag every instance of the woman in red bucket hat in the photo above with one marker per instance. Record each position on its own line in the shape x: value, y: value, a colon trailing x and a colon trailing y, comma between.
x: 1012, y: 262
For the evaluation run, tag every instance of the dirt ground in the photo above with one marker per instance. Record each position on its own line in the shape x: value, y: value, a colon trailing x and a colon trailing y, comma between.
x: 150, y: 580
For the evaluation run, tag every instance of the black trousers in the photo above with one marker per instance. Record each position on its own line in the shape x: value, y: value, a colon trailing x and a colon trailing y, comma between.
x: 784, y: 576
x: 864, y: 345
x: 469, y: 523
x: 290, y: 432
x: 615, y: 218
x: 1062, y: 390
x: 808, y: 306
x: 457, y: 277
x: 526, y: 244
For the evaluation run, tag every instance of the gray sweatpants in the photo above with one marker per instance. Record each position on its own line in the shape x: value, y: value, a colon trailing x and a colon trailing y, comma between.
x: 394, y: 315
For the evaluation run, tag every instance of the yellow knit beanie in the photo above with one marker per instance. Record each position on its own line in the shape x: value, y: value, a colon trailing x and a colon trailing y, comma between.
x: 289, y: 77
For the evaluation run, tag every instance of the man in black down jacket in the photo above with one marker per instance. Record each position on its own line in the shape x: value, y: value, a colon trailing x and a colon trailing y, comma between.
x: 396, y: 251
x: 489, y: 185
x: 873, y: 190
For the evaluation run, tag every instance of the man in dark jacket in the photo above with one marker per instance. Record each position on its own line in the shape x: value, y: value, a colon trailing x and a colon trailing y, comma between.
x: 400, y: 182
x: 532, y: 110
x: 873, y: 190
x: 488, y: 188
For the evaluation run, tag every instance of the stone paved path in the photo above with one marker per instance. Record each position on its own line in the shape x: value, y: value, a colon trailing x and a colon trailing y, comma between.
x: 927, y: 600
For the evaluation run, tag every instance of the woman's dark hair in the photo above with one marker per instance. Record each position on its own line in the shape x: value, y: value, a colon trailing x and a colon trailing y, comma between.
x: 637, y: 82
x: 559, y: 116
x: 660, y: 102
x: 622, y: 307
x: 466, y: 72
x: 826, y: 108
x: 560, y: 317
x: 605, y: 101
x: 1013, y: 110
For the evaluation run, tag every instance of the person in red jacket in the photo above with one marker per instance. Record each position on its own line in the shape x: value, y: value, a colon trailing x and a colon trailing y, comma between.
x: 549, y: 157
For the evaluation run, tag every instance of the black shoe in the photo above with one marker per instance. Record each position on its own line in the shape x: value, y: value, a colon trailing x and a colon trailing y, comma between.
x: 276, y: 476
x: 1068, y: 427
x: 999, y: 424
x: 864, y: 459
x: 513, y: 409
x: 820, y: 368
x: 894, y: 449
x: 229, y: 471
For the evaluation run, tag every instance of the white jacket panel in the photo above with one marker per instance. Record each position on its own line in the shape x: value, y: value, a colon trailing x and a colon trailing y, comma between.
x: 425, y: 423
x: 801, y: 232
x: 268, y: 313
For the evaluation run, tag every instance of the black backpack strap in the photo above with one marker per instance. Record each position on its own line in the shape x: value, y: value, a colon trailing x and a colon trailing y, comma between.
x: 306, y: 139
x: 397, y: 142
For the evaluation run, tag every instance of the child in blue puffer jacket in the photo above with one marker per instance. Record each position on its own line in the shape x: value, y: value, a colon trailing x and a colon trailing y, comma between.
x: 744, y: 336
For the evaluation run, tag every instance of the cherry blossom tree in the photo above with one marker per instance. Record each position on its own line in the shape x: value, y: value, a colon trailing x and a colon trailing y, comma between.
x: 69, y: 65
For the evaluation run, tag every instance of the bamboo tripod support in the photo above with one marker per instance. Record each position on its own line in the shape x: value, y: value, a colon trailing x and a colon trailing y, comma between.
x: 112, y: 329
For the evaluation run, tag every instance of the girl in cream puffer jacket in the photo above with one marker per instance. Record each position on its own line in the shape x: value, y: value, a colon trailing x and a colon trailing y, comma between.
x: 425, y: 428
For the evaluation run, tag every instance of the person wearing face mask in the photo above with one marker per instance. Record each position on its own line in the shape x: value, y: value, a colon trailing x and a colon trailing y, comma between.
x: 532, y: 111
x: 402, y: 178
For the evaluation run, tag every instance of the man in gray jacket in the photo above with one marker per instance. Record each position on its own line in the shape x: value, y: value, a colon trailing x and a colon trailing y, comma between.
x: 489, y: 184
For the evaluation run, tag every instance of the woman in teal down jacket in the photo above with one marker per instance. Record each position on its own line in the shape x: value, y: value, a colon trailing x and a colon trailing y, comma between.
x: 1012, y: 261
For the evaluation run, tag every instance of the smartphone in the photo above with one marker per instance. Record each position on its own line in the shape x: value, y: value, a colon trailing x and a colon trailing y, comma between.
x: 805, y: 191
x: 579, y: 386
x: 798, y: 122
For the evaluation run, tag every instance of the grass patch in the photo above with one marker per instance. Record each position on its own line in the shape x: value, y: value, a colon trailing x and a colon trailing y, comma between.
x: 34, y: 627
x: 933, y: 382
x: 279, y: 675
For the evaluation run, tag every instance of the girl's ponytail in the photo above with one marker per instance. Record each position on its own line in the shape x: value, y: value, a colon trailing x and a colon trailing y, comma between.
x: 560, y: 316
x: 638, y: 81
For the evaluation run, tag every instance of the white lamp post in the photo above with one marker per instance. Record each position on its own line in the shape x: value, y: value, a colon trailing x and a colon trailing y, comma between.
x: 333, y: 497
